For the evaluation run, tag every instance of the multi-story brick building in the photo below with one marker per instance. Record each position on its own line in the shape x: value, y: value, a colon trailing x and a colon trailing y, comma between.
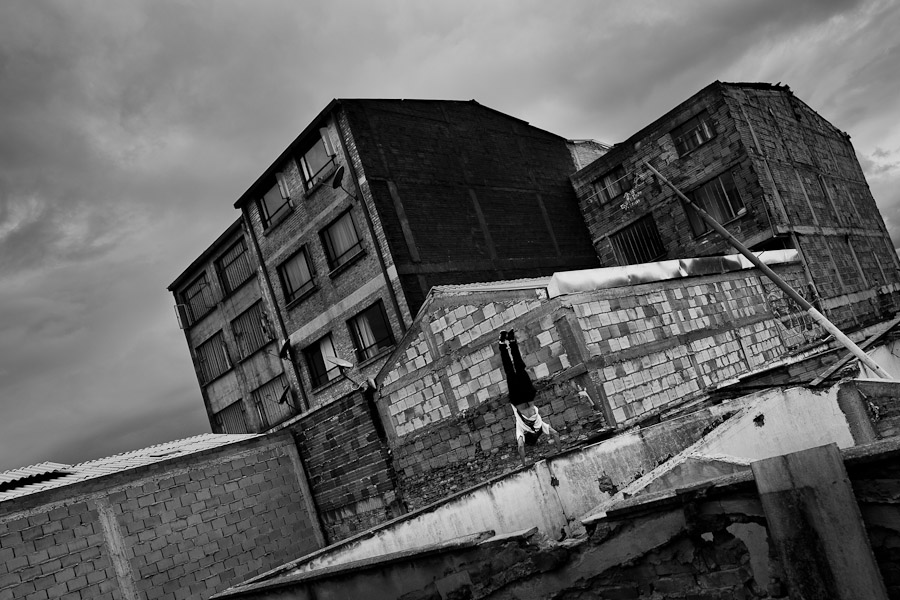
x: 378, y: 200
x: 232, y: 338
x: 771, y: 169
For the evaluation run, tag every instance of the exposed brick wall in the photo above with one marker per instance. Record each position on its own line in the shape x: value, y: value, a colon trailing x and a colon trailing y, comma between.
x: 183, y: 528
x: 483, y: 196
x: 350, y: 473
x: 797, y: 176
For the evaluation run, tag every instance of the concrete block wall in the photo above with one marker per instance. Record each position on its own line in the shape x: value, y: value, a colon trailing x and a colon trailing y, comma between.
x: 57, y: 553
x: 183, y: 528
x: 639, y: 351
x: 350, y: 471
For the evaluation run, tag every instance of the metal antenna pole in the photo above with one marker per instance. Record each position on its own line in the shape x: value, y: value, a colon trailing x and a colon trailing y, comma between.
x: 792, y: 294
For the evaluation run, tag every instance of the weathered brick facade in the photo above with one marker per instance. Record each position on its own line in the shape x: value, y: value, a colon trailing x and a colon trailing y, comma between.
x: 212, y: 308
x: 796, y: 184
x: 186, y: 527
x: 438, y: 192
x: 638, y: 350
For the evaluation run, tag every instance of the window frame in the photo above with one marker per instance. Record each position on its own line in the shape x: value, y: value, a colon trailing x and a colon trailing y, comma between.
x: 205, y: 290
x: 310, y: 353
x: 702, y: 121
x: 336, y: 264
x: 694, y: 219
x: 222, y: 268
x: 311, y: 179
x: 618, y: 242
x: 220, y: 420
x: 618, y: 177
x: 207, y: 375
x: 264, y: 334
x: 270, y: 220
x: 292, y: 296
x: 377, y: 347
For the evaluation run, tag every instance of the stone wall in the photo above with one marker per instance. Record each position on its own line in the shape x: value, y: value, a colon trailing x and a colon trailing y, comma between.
x: 182, y: 528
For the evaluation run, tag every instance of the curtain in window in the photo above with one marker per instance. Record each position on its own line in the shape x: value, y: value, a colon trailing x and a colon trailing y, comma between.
x: 367, y: 339
x: 274, y: 202
x: 297, y: 274
x: 343, y: 238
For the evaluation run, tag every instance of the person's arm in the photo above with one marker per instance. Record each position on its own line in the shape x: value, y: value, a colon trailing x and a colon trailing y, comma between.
x: 555, y: 435
x: 521, y: 443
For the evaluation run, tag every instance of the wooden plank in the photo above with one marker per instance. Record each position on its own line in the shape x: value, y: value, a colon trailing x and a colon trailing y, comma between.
x: 848, y: 357
x: 816, y: 527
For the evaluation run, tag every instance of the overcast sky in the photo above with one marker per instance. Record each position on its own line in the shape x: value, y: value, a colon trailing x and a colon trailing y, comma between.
x: 128, y: 129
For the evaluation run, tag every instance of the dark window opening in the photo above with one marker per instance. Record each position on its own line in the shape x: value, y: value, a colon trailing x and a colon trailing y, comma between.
x: 639, y: 242
x: 694, y: 132
x: 371, y: 332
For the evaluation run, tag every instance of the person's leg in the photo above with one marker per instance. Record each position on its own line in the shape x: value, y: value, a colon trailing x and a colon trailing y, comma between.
x: 518, y: 363
x: 504, y: 358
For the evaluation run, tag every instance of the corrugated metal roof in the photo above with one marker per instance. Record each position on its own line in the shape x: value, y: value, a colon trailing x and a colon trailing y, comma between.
x: 69, y: 474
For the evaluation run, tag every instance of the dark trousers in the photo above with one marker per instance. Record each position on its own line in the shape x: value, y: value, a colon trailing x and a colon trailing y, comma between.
x: 521, y: 390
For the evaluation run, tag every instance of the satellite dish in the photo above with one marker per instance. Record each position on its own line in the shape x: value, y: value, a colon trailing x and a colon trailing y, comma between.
x: 338, y: 178
x: 339, y: 361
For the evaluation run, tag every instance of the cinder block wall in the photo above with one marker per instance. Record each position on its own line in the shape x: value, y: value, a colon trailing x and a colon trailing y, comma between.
x: 350, y: 471
x: 183, y: 528
x: 640, y: 351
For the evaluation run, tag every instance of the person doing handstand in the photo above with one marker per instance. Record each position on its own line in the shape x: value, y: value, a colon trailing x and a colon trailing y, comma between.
x: 529, y: 425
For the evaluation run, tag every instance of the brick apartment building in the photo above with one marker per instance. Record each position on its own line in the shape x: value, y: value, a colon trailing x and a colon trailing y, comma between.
x: 769, y: 168
x: 230, y: 331
x: 375, y: 202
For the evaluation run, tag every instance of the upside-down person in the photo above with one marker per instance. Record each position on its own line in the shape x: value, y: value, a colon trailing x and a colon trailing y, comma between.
x: 529, y: 425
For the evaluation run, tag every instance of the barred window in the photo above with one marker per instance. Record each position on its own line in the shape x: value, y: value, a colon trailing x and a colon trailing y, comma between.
x: 272, y: 400
x: 639, y: 242
x: 694, y: 132
x: 213, y: 358
x: 371, y: 331
x: 232, y: 419
x: 199, y: 298
x: 321, y: 371
x: 252, y: 330
x: 719, y: 198
x: 234, y: 267
x: 341, y: 241
x: 612, y: 185
x: 296, y: 276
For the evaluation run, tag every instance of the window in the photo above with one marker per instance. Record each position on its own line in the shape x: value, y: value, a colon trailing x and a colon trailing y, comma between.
x: 231, y: 419
x: 251, y: 330
x: 213, y: 358
x: 273, y: 402
x: 639, y: 242
x: 371, y: 331
x: 694, y: 132
x: 315, y: 161
x: 234, y: 267
x: 321, y: 371
x: 612, y: 185
x: 199, y: 298
x: 341, y: 241
x: 296, y: 276
x: 274, y: 203
x: 719, y: 198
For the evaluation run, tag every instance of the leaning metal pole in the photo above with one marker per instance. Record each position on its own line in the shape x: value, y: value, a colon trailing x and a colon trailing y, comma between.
x: 809, y: 308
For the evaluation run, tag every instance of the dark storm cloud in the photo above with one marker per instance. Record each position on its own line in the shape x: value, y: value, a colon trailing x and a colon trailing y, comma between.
x: 129, y: 128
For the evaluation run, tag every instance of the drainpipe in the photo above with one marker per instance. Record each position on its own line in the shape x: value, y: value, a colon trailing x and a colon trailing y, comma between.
x: 284, y: 335
x: 365, y: 209
x: 768, y: 272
